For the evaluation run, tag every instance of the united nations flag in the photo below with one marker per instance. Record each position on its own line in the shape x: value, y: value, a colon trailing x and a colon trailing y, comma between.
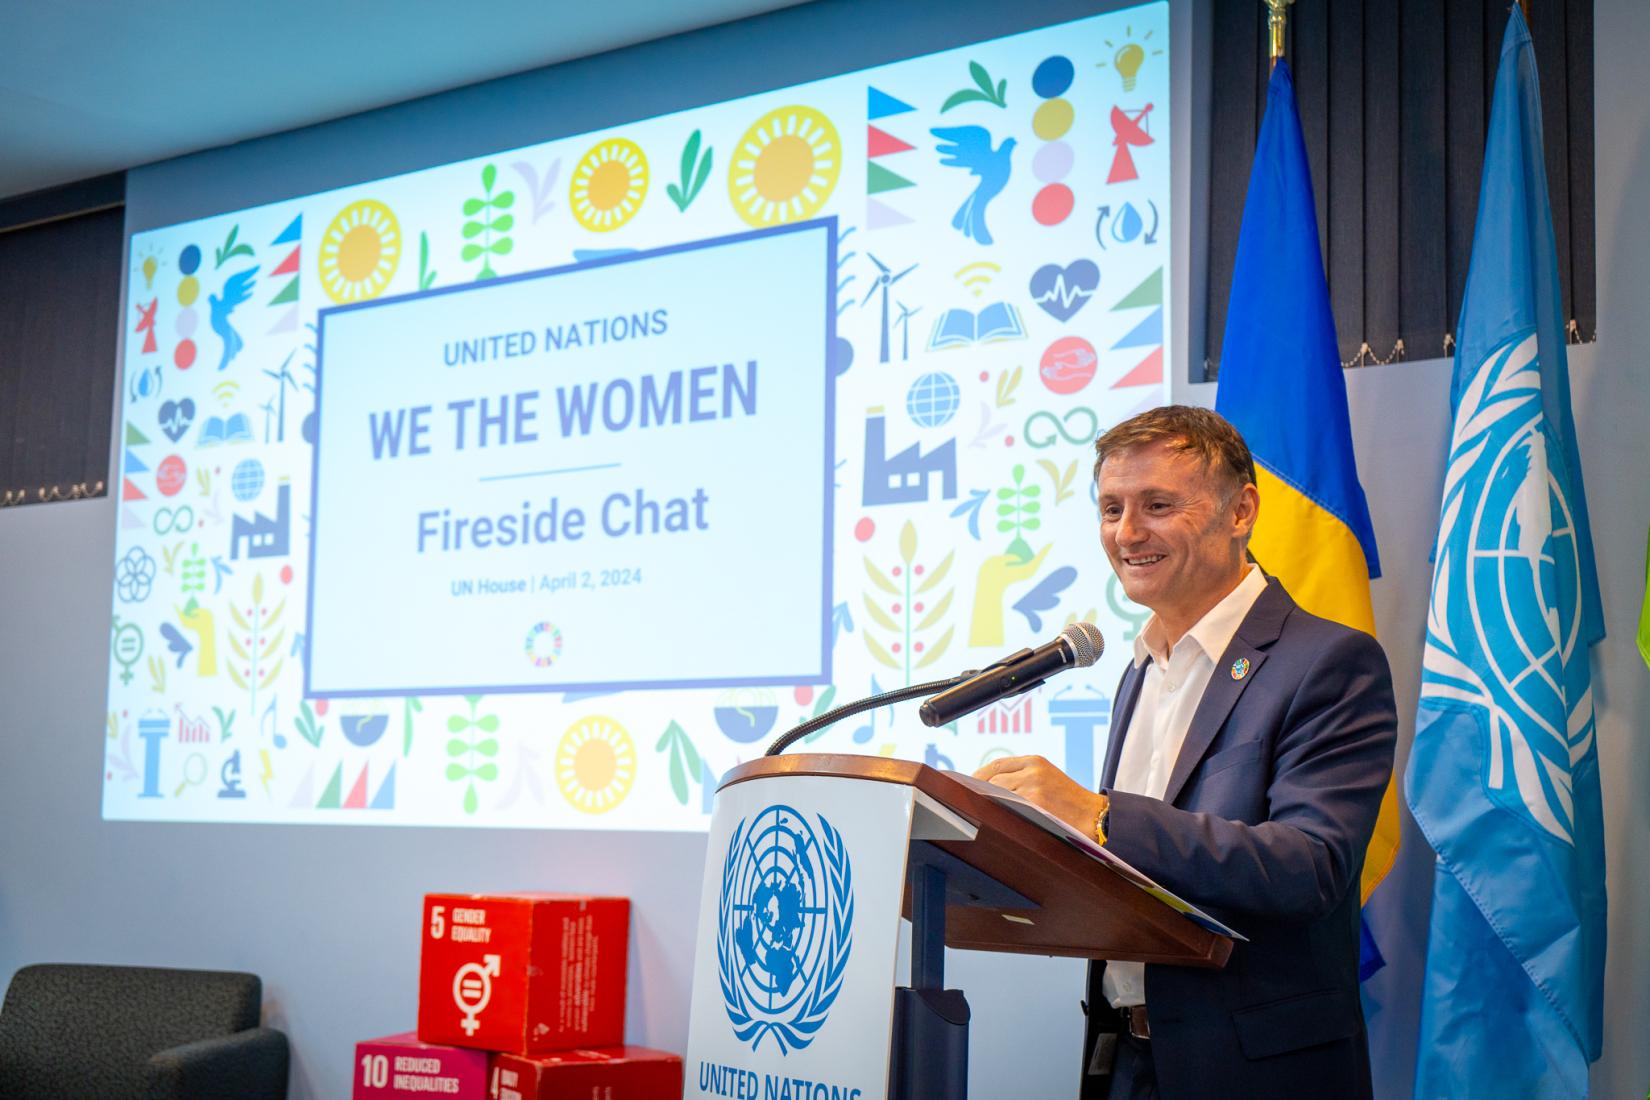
x: 785, y: 926
x: 1503, y: 778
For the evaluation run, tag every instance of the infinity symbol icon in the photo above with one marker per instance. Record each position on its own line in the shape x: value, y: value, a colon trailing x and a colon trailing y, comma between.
x: 170, y: 520
x: 1059, y: 428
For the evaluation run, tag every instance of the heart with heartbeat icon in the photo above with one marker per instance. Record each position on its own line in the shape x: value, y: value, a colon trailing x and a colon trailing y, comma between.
x: 1062, y: 291
x: 175, y: 418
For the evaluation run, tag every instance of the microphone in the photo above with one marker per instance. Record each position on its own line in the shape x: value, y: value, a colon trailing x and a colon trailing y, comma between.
x: 1078, y: 646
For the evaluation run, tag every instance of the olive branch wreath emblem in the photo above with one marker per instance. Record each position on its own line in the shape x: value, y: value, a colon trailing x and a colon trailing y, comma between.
x: 804, y: 1023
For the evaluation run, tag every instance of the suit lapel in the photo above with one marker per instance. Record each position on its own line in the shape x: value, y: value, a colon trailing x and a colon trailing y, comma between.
x: 1259, y: 629
x: 1128, y: 691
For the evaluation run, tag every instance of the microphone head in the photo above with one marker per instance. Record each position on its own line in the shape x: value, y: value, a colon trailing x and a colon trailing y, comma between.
x: 1086, y: 642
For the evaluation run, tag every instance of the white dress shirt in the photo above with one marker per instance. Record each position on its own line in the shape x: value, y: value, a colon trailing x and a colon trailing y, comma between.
x: 1170, y: 691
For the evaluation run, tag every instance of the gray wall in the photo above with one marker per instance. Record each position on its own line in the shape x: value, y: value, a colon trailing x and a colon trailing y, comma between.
x: 328, y: 915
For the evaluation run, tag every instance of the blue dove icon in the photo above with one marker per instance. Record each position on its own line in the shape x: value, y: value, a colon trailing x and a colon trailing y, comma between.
x: 236, y: 290
x: 970, y: 147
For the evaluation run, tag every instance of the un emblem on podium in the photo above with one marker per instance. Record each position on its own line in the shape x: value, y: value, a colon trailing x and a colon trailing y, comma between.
x: 784, y: 926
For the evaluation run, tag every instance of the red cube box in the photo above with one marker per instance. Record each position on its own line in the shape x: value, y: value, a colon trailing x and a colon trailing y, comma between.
x: 524, y: 973
x: 611, y: 1073
x: 398, y: 1066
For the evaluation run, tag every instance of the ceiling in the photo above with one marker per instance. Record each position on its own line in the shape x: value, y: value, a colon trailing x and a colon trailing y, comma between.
x: 92, y: 87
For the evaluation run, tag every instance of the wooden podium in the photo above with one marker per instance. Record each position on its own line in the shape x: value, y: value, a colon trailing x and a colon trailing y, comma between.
x: 980, y: 876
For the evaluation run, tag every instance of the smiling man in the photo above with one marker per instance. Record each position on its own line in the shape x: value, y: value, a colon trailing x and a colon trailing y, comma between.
x: 1251, y: 742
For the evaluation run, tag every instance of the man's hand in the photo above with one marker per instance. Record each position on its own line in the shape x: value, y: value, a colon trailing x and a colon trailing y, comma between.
x: 1035, y: 779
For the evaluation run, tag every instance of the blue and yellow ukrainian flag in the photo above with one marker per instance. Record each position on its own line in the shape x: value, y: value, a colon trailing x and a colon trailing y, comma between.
x: 1281, y: 386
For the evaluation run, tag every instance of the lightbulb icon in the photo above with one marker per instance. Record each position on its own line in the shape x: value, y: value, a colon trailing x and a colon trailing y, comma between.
x: 1128, y: 59
x: 150, y: 266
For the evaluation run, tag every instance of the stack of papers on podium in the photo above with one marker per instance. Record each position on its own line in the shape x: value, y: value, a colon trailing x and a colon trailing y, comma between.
x: 1051, y: 824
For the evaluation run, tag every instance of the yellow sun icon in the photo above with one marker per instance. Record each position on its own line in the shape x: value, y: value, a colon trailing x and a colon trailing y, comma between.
x: 608, y: 185
x: 359, y: 251
x: 595, y: 764
x: 785, y: 167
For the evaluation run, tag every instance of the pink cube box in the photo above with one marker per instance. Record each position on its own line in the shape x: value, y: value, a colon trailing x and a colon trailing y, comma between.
x: 399, y: 1066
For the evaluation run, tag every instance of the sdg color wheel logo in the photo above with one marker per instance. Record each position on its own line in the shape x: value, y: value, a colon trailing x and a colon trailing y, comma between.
x: 543, y: 644
x: 784, y: 927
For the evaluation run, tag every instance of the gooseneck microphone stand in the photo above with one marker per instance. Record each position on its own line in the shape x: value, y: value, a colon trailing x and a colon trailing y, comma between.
x: 929, y: 1059
x: 848, y: 710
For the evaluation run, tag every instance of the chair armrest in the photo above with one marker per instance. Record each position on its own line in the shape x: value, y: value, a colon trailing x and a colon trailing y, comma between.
x: 249, y: 1064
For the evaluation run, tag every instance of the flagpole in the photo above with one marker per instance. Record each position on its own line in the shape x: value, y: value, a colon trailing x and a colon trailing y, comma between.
x: 1277, y: 19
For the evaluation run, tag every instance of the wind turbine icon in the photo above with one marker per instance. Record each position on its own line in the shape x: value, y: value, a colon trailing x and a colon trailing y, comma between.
x: 269, y: 410
x: 885, y: 279
x: 904, y: 322
x: 283, y: 379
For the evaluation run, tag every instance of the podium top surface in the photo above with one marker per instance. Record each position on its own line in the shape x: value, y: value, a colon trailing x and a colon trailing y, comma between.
x: 1081, y: 907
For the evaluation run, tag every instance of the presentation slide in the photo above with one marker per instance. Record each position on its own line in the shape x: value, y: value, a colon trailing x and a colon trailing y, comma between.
x: 554, y: 466
x: 540, y: 489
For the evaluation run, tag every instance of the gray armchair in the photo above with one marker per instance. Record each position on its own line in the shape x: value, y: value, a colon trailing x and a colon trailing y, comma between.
x: 121, y: 1032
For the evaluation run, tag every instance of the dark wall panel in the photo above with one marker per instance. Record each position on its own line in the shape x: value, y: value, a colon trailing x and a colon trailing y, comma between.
x: 1341, y: 203
x: 1394, y: 101
x: 59, y: 308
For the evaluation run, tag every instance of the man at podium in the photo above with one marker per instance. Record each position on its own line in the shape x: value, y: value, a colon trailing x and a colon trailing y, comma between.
x: 1251, y: 743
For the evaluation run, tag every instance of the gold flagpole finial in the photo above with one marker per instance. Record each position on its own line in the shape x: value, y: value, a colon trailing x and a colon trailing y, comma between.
x: 1277, y: 18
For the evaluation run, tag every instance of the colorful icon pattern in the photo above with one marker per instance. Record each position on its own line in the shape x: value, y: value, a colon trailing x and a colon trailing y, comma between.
x: 1000, y: 299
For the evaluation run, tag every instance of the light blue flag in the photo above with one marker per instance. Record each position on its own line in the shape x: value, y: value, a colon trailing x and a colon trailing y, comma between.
x: 1503, y: 778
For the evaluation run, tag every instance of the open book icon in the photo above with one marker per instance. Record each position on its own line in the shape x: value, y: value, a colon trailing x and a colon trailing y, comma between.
x: 236, y: 429
x: 957, y: 328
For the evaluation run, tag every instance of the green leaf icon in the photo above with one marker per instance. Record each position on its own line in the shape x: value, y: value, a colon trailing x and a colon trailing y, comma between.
x: 678, y: 779
x: 704, y: 174
x: 690, y: 153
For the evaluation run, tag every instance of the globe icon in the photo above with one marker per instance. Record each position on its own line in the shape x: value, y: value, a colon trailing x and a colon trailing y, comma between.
x: 777, y: 917
x: 248, y: 479
x: 933, y: 399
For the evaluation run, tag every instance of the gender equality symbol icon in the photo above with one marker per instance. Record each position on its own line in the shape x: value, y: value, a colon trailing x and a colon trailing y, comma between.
x: 473, y: 990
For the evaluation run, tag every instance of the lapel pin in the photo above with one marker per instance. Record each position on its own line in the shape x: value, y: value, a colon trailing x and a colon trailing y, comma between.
x: 1240, y: 668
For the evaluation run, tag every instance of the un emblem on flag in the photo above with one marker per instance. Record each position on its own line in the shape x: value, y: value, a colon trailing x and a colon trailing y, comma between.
x: 785, y: 925
x: 1504, y: 629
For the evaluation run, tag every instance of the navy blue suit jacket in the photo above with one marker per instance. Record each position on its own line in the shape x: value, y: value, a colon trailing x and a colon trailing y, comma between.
x: 1264, y: 823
